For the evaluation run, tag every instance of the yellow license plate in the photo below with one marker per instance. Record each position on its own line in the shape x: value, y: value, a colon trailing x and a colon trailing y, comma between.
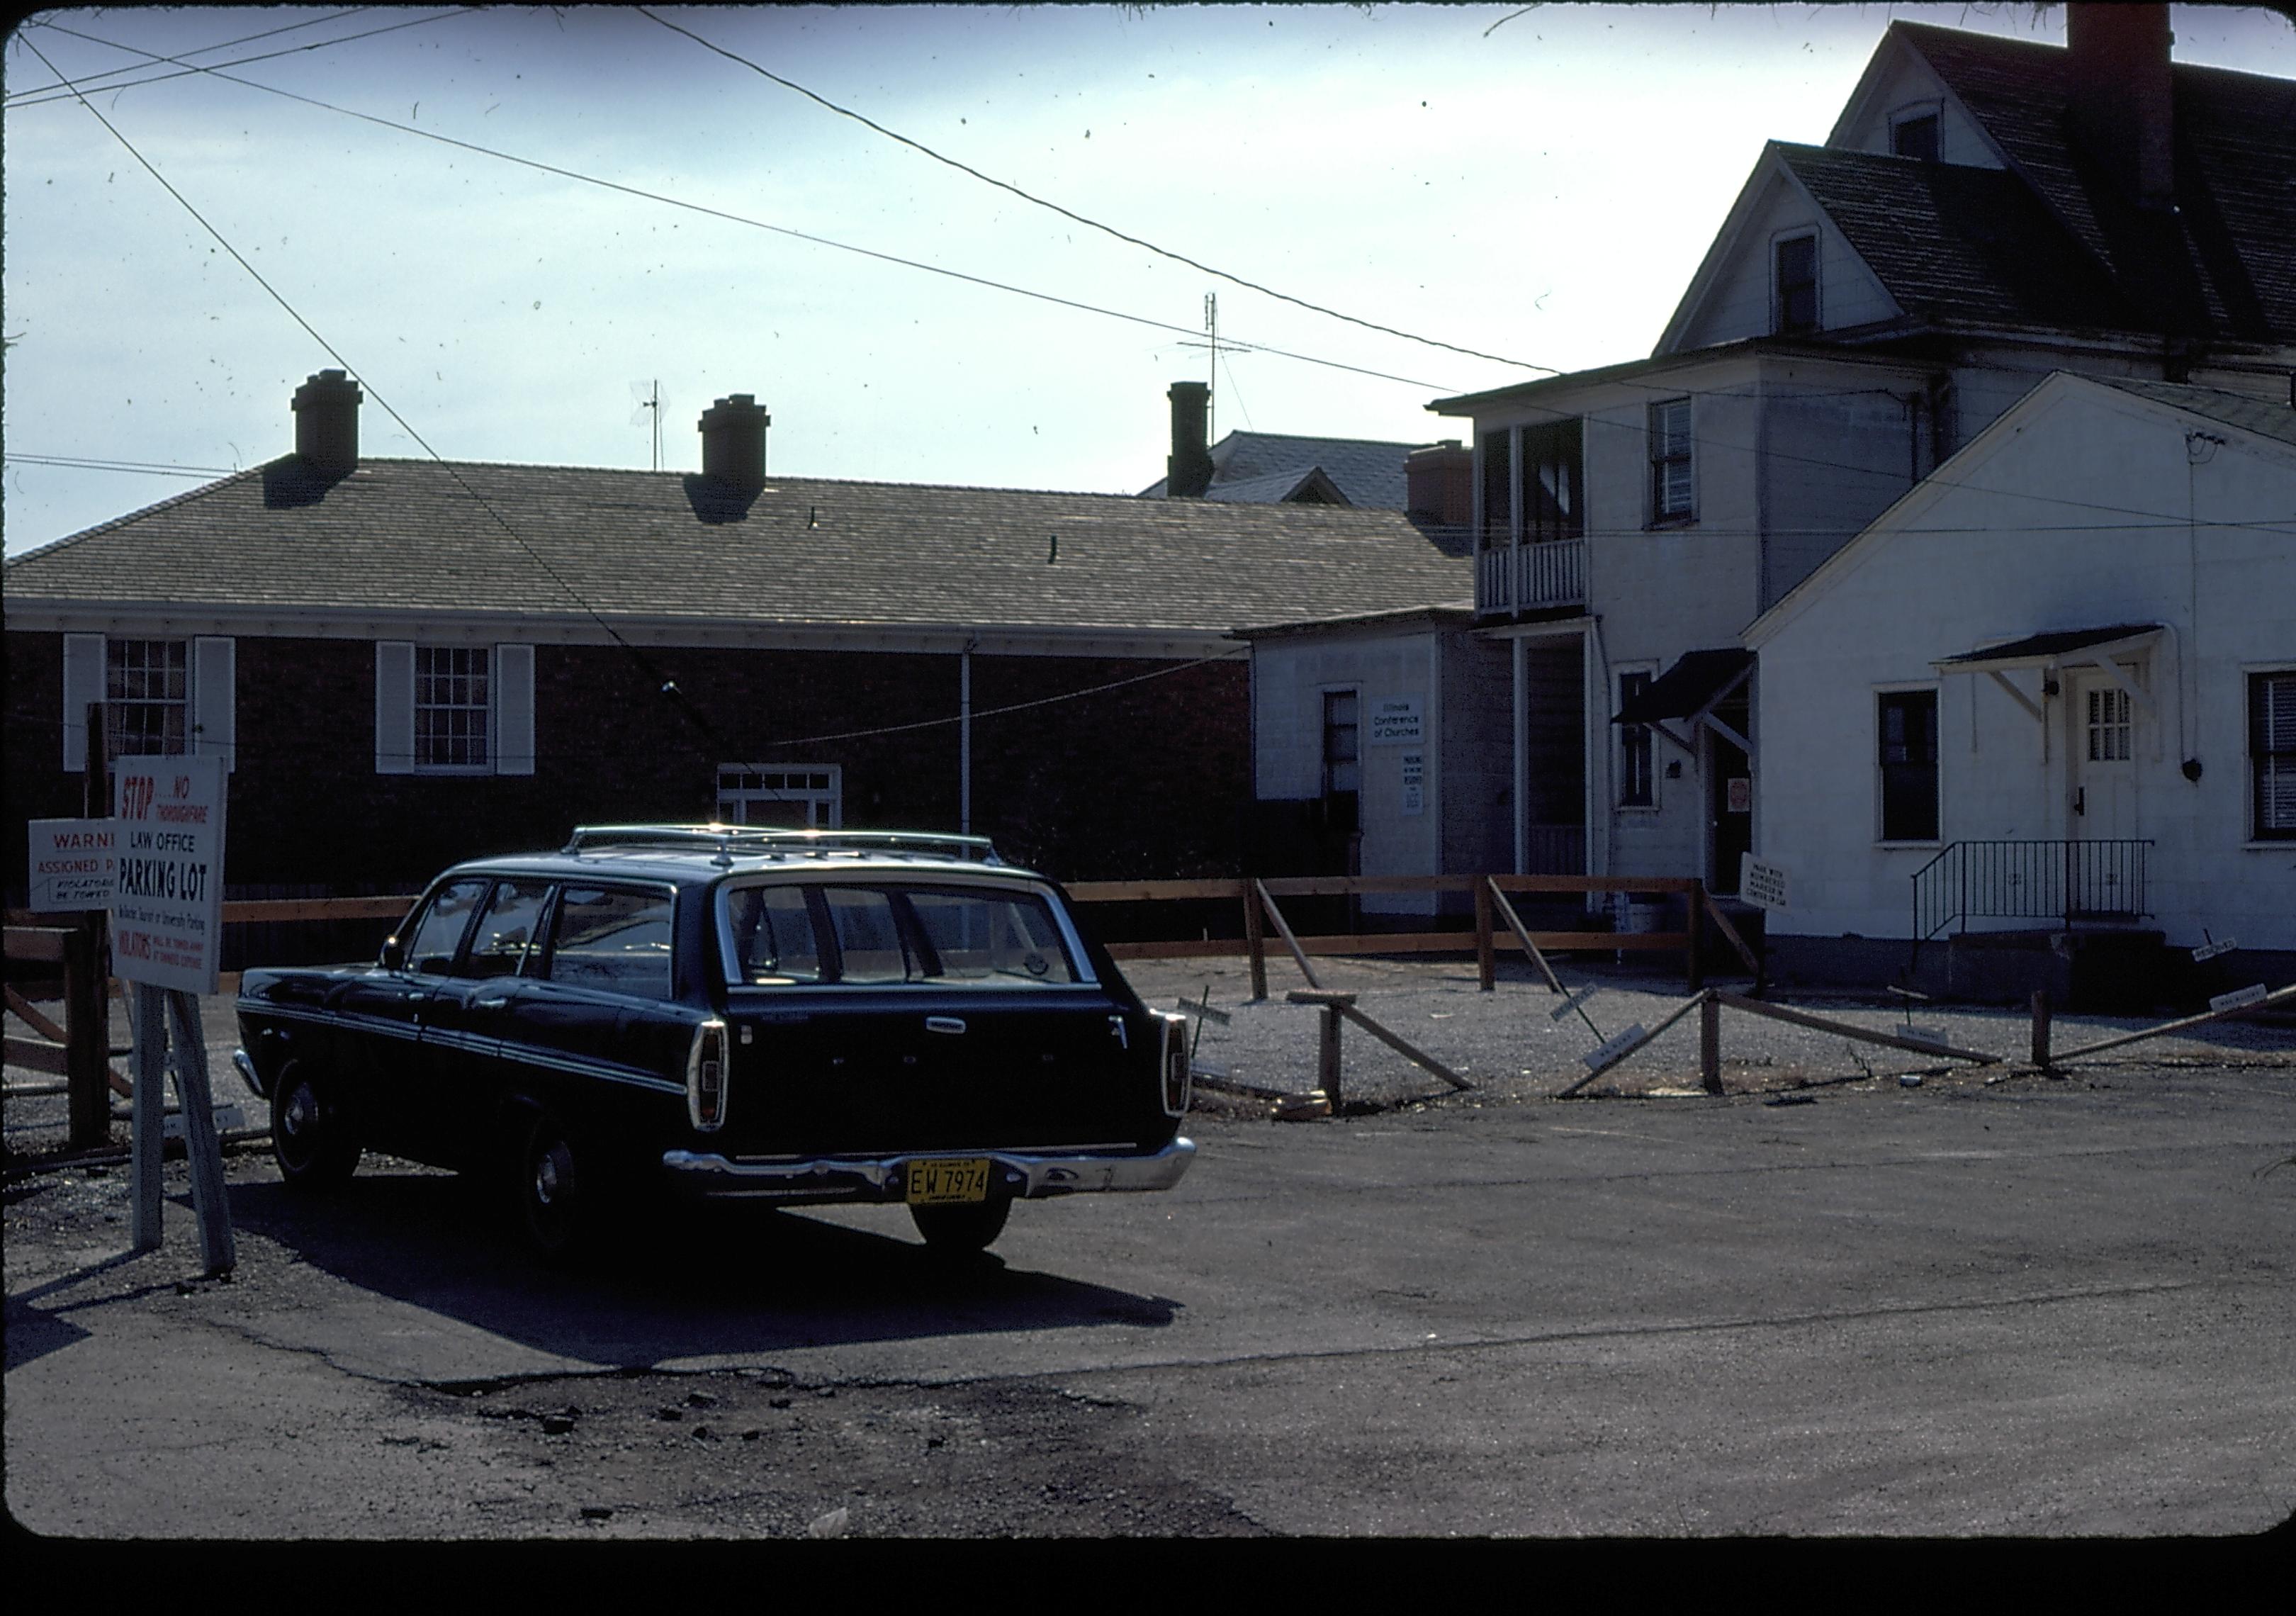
x: 952, y: 1179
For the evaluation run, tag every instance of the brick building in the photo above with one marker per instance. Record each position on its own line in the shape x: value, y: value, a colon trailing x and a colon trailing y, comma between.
x: 413, y: 661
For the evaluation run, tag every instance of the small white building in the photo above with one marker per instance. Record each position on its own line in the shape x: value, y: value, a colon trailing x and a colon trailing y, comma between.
x: 2054, y: 688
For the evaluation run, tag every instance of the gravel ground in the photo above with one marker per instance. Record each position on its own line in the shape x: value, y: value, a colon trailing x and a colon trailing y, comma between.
x: 1507, y: 1042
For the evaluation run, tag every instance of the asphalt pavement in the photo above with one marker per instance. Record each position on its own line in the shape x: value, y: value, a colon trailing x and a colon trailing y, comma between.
x: 1825, y: 1303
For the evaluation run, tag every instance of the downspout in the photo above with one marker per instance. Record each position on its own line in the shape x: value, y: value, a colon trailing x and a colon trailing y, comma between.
x: 1518, y: 735
x: 1600, y: 789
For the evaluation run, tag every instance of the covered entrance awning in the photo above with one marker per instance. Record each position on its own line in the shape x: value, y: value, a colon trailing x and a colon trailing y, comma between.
x: 2100, y: 648
x: 1692, y: 689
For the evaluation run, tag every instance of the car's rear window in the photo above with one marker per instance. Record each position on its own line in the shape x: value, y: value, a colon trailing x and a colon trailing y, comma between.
x: 878, y: 934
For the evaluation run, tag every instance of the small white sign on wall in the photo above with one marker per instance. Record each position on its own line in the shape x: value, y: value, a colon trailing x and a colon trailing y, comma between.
x: 1761, y: 883
x: 1414, y: 783
x: 1397, y: 721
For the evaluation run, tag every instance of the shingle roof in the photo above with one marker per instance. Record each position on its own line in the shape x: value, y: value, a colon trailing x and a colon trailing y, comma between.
x: 2259, y: 415
x: 2235, y: 174
x: 1368, y: 471
x: 1956, y: 244
x: 411, y: 535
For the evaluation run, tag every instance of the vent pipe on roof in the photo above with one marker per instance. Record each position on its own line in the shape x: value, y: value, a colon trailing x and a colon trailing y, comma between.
x: 734, y: 442
x: 2119, y: 99
x: 326, y: 422
x: 1188, y: 473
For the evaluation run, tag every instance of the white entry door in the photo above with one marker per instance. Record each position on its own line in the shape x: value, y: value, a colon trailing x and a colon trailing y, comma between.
x: 2108, y: 736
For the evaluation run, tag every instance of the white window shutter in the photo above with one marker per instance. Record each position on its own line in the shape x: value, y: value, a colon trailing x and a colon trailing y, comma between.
x: 394, y: 707
x: 215, y: 699
x: 83, y: 684
x: 513, y: 710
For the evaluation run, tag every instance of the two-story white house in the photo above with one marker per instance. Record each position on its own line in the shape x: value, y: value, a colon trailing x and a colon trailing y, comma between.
x: 1986, y: 212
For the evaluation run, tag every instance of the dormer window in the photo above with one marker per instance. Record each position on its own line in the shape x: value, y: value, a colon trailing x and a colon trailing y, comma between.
x: 1915, y: 136
x: 1796, y: 284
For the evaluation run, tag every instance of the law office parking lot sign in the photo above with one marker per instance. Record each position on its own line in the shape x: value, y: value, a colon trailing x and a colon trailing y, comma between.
x: 167, y: 908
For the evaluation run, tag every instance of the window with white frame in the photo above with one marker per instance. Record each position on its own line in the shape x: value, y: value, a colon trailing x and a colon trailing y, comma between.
x: 453, y: 709
x: 1795, y: 286
x: 1638, y: 764
x: 147, y: 698
x: 160, y: 697
x: 799, y: 797
x: 1914, y: 135
x: 2108, y: 726
x: 1673, y: 495
x: 453, y: 706
x: 2271, y: 754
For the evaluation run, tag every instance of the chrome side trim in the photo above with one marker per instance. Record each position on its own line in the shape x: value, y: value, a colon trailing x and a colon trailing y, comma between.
x: 1029, y: 1177
x: 245, y: 1068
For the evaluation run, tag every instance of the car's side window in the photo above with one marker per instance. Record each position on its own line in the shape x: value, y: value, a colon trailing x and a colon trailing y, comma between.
x: 430, y: 950
x: 611, y: 940
x: 774, y: 939
x: 508, y: 930
x: 869, y: 943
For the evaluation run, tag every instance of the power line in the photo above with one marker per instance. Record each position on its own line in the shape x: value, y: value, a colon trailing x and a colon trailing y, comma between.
x: 1090, y: 224
x: 819, y: 240
x: 156, y: 468
x: 64, y: 89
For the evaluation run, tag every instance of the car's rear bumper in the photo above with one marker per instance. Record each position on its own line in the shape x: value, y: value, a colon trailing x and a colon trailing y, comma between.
x: 1021, y: 1174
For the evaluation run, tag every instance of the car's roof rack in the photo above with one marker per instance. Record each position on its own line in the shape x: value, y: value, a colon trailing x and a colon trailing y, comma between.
x: 727, y: 840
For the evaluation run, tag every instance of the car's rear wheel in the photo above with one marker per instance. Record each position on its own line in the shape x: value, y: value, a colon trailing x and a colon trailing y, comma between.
x: 311, y: 1135
x: 957, y: 1231
x: 557, y: 1192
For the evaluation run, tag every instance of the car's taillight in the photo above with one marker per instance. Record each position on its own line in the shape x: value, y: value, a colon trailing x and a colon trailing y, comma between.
x: 1174, y: 1063
x: 705, y: 1078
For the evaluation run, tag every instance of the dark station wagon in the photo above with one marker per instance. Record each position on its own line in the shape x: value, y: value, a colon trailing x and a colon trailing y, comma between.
x: 789, y: 1016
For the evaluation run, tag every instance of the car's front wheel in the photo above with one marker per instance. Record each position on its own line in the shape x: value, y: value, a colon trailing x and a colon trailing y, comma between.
x: 557, y: 1194
x: 311, y: 1135
x: 958, y: 1231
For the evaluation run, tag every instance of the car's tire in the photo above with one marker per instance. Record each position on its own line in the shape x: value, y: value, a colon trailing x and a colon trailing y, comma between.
x: 312, y: 1138
x: 960, y: 1231
x: 557, y: 1192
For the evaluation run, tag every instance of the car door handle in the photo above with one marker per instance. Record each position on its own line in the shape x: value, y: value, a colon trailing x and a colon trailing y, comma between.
x: 490, y: 1004
x: 943, y: 1023
x: 417, y: 993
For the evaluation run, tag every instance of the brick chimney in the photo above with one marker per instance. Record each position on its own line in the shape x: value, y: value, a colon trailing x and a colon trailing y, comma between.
x: 1438, y: 483
x: 2118, y: 99
x: 326, y: 422
x: 734, y: 442
x: 1188, y: 473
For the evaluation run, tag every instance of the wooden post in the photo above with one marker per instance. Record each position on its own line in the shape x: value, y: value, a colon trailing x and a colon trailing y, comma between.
x: 1283, y: 930
x: 1255, y: 938
x: 1487, y: 957
x: 1327, y: 1055
x: 201, y: 1145
x: 87, y: 1039
x: 1709, y: 1044
x: 1694, y: 961
x: 2041, y: 1028
x: 148, y: 1108
x: 87, y: 998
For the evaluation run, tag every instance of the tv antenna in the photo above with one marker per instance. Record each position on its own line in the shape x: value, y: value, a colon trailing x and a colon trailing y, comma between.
x: 648, y: 395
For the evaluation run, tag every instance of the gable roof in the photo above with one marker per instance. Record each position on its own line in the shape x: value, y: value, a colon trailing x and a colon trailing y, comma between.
x: 411, y: 536
x: 2261, y: 416
x: 1366, y: 472
x: 1957, y: 244
x: 2236, y: 175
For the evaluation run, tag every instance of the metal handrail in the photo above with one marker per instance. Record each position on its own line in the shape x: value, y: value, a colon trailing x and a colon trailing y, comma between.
x: 2056, y: 879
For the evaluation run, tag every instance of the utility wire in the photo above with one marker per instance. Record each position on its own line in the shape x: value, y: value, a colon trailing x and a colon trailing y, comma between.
x: 819, y: 240
x: 64, y: 89
x: 1657, y: 388
x: 81, y: 462
x: 1090, y: 224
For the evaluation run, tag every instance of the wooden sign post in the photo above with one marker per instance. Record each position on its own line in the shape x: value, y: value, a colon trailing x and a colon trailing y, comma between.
x: 167, y: 937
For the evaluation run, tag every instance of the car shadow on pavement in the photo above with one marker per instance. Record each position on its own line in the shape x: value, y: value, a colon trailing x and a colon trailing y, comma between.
x: 674, y: 1284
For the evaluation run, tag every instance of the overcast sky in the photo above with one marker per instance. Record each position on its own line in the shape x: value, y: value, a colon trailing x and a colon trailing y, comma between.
x: 1535, y: 184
